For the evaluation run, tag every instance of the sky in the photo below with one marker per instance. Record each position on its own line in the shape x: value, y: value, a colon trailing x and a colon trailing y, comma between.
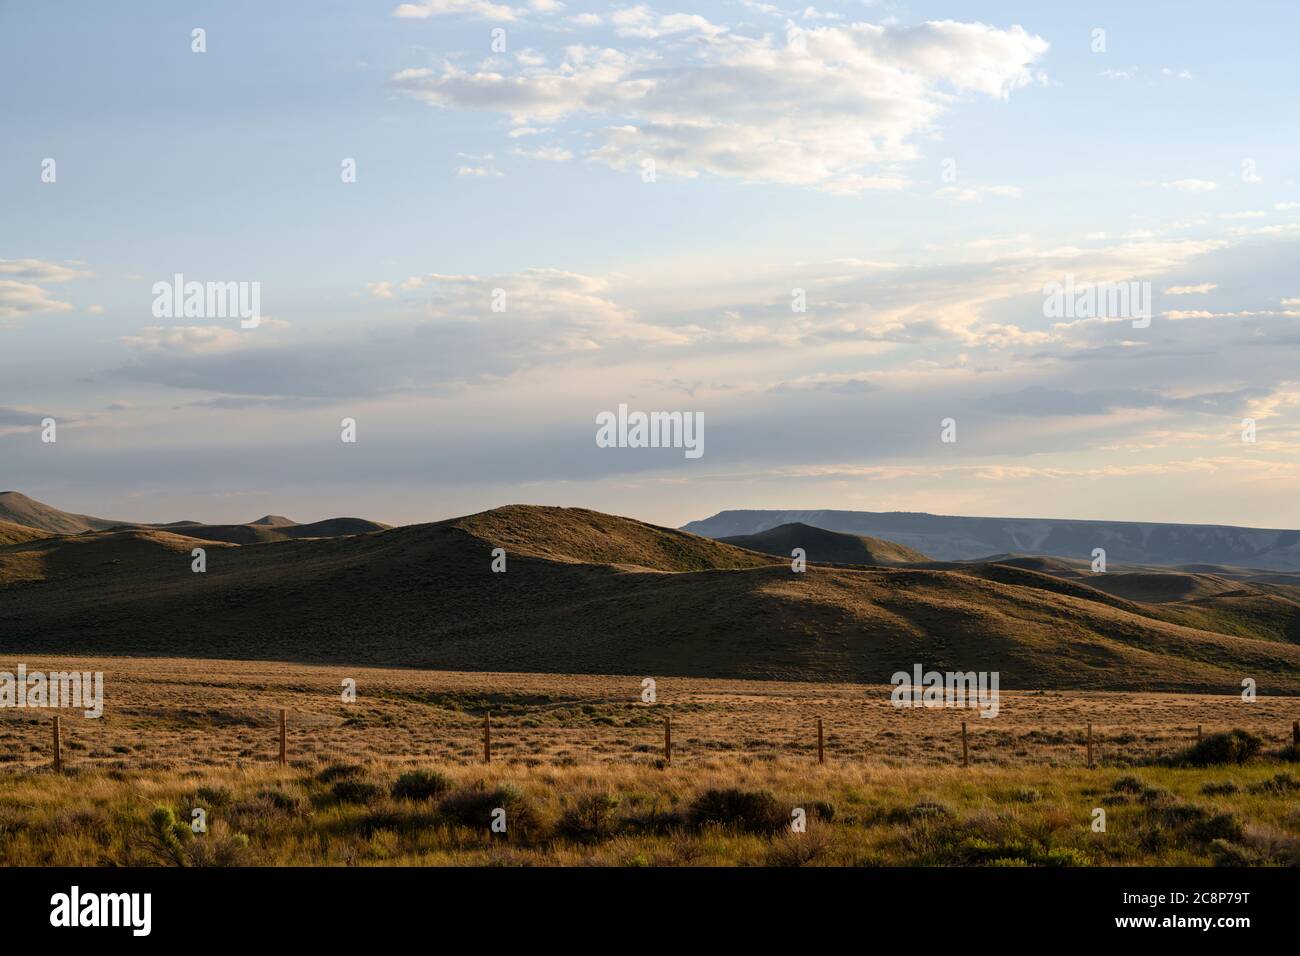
x: 835, y: 233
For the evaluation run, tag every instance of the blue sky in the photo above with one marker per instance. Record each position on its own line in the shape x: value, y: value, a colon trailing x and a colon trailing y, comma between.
x: 794, y: 147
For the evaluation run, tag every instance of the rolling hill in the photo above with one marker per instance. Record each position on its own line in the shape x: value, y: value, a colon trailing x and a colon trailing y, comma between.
x: 586, y: 592
x: 950, y: 538
x: 18, y: 509
x: 831, y: 547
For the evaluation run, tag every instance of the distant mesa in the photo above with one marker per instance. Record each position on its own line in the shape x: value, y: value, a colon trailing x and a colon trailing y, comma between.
x: 953, y: 538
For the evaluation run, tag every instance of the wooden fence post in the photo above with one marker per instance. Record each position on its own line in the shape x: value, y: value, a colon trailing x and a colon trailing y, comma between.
x: 284, y: 737
x: 668, y: 739
x: 487, y: 737
x: 1090, y: 745
x: 821, y: 747
x: 58, y: 748
x: 965, y: 750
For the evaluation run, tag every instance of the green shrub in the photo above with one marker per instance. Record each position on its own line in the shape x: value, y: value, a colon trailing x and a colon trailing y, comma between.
x: 1220, y: 789
x: 1128, y: 785
x: 1279, y: 784
x: 166, y: 837
x: 1221, y: 826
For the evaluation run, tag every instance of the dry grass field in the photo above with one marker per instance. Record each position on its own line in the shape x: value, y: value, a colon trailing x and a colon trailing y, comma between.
x: 577, y: 767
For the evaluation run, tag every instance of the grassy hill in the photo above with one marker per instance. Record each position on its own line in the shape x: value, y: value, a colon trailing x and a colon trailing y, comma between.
x: 592, y: 593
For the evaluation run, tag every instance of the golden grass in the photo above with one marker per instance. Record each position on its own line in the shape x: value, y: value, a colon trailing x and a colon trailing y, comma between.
x: 187, y: 714
x: 857, y: 815
x: 180, y: 734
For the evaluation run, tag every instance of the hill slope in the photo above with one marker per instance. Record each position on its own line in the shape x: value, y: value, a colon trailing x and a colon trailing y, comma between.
x: 831, y: 547
x: 11, y: 533
x: 592, y: 593
x: 19, y: 509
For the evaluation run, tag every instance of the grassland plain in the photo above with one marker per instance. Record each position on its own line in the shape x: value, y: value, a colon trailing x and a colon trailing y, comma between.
x: 397, y: 777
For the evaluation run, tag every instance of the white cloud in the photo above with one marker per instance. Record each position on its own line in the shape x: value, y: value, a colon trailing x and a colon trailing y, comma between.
x: 482, y: 9
x: 24, y: 298
x: 37, y: 270
x: 1201, y: 289
x: 1191, y: 185
x: 640, y: 21
x: 834, y: 107
x: 554, y: 154
x: 965, y: 194
x: 185, y: 339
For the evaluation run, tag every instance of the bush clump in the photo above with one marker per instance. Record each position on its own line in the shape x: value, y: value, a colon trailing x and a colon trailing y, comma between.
x: 1234, y: 746
x: 1128, y: 785
x: 754, y: 811
x: 1279, y: 784
x: 356, y: 791
x: 421, y: 785
x: 1223, y: 789
x: 475, y: 805
x: 340, y: 771
x: 592, y: 818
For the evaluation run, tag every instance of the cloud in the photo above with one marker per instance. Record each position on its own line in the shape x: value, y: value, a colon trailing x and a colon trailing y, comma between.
x: 36, y: 270
x: 966, y: 194
x: 555, y: 154
x: 481, y: 9
x: 1191, y: 185
x: 183, y: 340
x: 1201, y: 289
x: 834, y: 107
x: 640, y: 21
x: 23, y: 298
x: 443, y: 334
x: 827, y: 382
